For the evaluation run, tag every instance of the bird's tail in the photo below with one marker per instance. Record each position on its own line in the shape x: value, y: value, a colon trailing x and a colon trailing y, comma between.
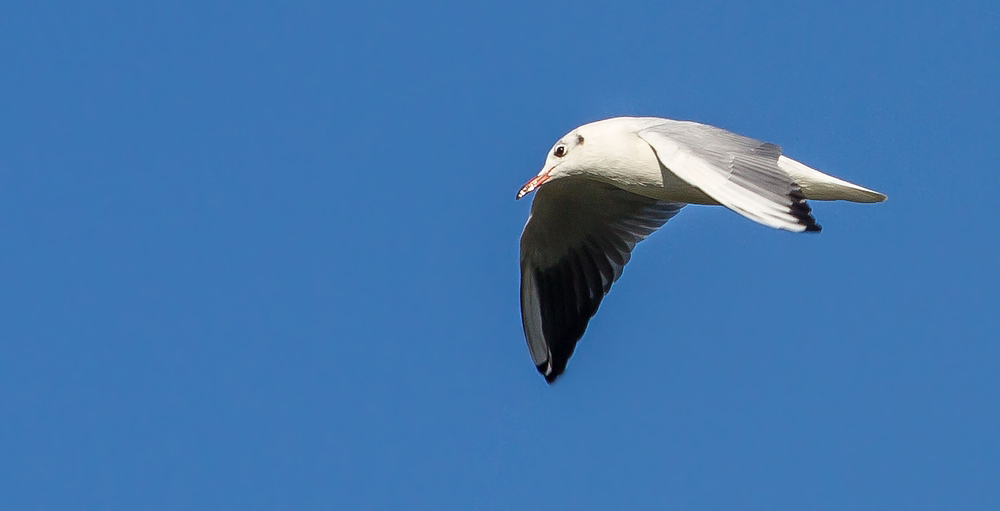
x: 819, y: 186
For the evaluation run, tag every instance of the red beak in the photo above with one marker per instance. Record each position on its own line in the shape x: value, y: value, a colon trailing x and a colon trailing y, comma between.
x: 535, y: 182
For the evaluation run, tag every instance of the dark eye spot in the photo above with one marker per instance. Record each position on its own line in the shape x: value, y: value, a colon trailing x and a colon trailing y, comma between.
x: 560, y: 151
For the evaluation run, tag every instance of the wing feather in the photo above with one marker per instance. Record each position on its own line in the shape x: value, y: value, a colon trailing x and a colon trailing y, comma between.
x: 578, y: 238
x: 739, y: 172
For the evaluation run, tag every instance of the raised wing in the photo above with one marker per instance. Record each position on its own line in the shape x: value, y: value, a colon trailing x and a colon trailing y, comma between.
x: 739, y: 172
x: 579, y: 236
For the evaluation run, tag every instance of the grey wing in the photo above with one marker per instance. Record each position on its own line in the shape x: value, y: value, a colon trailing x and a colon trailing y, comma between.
x: 739, y: 172
x: 578, y: 238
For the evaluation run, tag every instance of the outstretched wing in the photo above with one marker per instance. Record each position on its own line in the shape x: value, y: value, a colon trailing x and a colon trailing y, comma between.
x: 739, y: 172
x: 579, y: 236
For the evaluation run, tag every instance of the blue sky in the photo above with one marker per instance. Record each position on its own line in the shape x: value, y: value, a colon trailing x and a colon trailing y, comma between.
x: 264, y: 255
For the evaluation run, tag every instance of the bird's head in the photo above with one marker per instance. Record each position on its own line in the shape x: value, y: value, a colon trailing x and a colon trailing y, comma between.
x: 602, y: 150
x: 564, y: 159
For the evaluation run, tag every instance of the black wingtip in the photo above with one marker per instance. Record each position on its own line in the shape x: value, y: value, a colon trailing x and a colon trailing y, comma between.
x: 550, y: 373
x: 803, y: 212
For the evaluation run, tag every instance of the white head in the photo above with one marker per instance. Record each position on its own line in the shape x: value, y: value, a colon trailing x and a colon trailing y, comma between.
x: 560, y: 161
x: 594, y: 149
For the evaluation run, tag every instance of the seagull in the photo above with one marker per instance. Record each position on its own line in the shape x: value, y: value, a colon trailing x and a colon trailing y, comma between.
x: 607, y: 185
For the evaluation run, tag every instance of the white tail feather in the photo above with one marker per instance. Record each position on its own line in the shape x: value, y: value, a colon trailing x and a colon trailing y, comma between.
x: 819, y: 186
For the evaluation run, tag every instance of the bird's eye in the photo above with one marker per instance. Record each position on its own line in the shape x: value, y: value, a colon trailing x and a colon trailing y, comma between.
x: 560, y: 151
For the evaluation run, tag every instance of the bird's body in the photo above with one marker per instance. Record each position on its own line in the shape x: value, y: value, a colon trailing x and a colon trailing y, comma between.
x: 607, y: 185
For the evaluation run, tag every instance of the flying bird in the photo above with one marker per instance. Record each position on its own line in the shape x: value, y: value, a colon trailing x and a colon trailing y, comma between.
x: 607, y: 185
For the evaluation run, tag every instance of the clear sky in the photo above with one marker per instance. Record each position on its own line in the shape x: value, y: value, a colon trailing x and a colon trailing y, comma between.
x: 264, y: 256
